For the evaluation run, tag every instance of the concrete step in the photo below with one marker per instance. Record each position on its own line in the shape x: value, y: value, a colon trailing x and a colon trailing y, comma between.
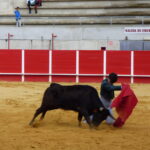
x: 96, y: 4
x: 75, y: 20
x: 87, y: 12
x: 63, y: 12
x: 79, y: 0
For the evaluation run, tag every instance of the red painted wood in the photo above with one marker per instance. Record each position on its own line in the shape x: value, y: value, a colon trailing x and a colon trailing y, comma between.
x: 118, y: 62
x: 10, y: 61
x: 14, y: 78
x: 90, y: 62
x: 36, y: 78
x: 90, y: 79
x: 142, y: 62
x: 63, y: 78
x: 36, y: 61
x: 141, y: 80
x: 125, y: 80
x: 64, y: 61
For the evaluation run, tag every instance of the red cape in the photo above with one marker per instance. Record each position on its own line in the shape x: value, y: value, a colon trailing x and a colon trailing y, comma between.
x: 124, y: 104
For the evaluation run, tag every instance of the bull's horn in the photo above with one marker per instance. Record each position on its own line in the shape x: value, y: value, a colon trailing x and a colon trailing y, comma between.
x: 112, y: 116
x: 101, y: 108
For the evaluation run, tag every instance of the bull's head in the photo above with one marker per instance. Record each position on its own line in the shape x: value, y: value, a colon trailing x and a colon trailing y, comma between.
x: 100, y: 115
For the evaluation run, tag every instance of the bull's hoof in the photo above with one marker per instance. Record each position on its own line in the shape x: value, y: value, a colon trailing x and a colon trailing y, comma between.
x: 34, y: 125
x: 92, y: 126
x: 31, y: 123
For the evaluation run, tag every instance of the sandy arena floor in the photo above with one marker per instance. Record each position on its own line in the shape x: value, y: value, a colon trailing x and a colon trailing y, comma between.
x: 59, y: 130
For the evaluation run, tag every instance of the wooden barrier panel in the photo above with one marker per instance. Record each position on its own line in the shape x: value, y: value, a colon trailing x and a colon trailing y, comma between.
x: 141, y: 79
x: 94, y: 79
x: 142, y: 66
x: 74, y: 66
x: 36, y: 61
x: 37, y: 78
x: 63, y: 62
x: 62, y: 78
x: 90, y: 62
x: 14, y: 78
x: 10, y: 62
x: 120, y: 63
x: 142, y: 62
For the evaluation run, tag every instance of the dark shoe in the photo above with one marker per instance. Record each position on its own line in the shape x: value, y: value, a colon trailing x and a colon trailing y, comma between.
x: 35, y: 10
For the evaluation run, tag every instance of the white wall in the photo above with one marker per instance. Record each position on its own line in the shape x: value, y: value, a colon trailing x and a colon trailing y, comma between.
x: 68, y: 37
x: 7, y: 6
x: 72, y: 32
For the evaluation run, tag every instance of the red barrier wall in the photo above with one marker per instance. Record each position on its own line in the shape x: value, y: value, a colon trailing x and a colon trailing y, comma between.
x: 63, y: 62
x: 120, y: 62
x: 36, y: 61
x: 10, y: 62
x: 142, y: 66
x: 74, y: 66
x: 90, y: 62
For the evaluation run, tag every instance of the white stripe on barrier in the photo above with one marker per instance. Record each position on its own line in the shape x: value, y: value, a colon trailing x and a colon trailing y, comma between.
x: 77, y: 66
x: 104, y: 64
x: 50, y: 66
x: 57, y: 74
x: 22, y: 66
x: 132, y: 66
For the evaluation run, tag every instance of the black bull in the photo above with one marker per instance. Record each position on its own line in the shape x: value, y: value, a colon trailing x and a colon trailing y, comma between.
x: 83, y: 99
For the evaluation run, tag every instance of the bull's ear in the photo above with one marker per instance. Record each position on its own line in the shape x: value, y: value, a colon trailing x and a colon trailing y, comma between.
x: 101, y: 108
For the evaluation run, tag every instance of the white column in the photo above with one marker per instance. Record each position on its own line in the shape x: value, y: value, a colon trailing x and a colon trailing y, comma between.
x: 23, y: 65
x: 132, y: 66
x: 50, y: 65
x: 104, y: 64
x: 77, y: 66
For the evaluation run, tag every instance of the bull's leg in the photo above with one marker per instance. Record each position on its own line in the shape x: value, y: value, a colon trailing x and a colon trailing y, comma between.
x: 80, y: 118
x: 38, y: 111
x: 87, y: 118
x: 43, y: 114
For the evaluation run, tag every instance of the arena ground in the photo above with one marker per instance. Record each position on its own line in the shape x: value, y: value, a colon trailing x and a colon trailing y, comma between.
x: 59, y: 130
